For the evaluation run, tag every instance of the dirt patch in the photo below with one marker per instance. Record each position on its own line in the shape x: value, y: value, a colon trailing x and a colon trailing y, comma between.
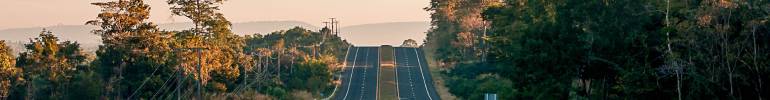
x: 302, y: 95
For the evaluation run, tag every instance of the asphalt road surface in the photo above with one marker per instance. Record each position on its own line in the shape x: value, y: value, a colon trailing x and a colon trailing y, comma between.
x: 359, y: 78
x: 413, y: 77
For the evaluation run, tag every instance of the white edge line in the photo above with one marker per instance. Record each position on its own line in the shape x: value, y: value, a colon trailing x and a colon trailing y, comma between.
x: 345, y: 63
x: 379, y: 62
x: 395, y: 63
x: 352, y: 70
x: 419, y: 64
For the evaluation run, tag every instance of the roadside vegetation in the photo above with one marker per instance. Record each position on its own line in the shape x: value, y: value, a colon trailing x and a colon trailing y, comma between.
x: 136, y: 60
x: 637, y: 49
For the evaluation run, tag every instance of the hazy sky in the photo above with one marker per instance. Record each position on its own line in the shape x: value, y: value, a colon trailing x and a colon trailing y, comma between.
x: 39, y: 13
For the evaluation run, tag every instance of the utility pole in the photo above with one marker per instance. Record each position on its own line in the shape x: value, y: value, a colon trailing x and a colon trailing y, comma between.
x: 334, y: 27
x: 484, y: 43
x: 200, y: 75
x: 326, y: 25
x: 337, y: 31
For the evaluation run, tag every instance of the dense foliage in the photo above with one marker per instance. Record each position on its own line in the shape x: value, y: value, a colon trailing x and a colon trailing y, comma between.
x: 10, y: 75
x: 643, y: 49
x: 49, y: 68
x: 137, y: 60
x: 303, y: 60
x: 458, y: 25
x: 134, y: 54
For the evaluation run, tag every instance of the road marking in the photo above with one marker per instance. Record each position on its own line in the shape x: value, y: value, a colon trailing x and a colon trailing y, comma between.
x: 379, y: 58
x: 419, y: 64
x: 411, y: 82
x: 363, y: 80
x: 398, y: 93
x: 344, y: 65
x: 352, y: 70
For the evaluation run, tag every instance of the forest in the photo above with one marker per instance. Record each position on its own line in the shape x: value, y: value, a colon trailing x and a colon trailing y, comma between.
x: 602, y: 49
x: 137, y: 60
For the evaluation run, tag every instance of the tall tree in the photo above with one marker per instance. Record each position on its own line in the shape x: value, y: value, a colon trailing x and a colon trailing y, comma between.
x: 134, y: 56
x: 220, y: 50
x: 570, y: 49
x: 716, y: 42
x: 459, y: 29
x: 629, y: 49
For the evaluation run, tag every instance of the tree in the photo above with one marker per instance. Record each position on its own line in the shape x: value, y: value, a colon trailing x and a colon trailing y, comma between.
x: 614, y: 49
x: 410, y: 43
x: 580, y: 52
x: 199, y: 11
x: 293, y: 55
x: 10, y: 75
x: 135, y: 56
x: 716, y: 43
x: 50, y: 65
x: 223, y: 57
x: 312, y: 75
x: 459, y: 29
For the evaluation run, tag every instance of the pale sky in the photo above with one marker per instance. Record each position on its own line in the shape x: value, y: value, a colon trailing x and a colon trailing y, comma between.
x: 41, y: 13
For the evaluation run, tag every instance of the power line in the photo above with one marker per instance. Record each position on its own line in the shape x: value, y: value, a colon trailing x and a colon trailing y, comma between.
x: 145, y: 81
x: 163, y: 87
x: 177, y: 90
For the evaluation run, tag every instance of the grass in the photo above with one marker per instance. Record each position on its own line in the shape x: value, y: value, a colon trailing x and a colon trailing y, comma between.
x: 302, y: 95
x: 386, y: 86
x: 245, y: 95
x: 438, y: 78
x: 387, y: 55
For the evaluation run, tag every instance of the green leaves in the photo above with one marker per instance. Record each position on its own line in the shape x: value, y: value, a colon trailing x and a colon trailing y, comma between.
x: 10, y: 75
x: 132, y: 51
x: 49, y: 65
x: 615, y: 49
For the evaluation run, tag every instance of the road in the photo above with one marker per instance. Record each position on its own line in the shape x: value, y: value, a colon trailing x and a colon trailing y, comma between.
x: 359, y: 77
x: 413, y: 77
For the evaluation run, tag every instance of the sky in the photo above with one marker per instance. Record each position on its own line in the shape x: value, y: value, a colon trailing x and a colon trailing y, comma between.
x: 42, y: 13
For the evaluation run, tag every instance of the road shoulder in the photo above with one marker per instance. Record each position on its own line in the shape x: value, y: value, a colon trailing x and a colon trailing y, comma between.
x: 438, y: 78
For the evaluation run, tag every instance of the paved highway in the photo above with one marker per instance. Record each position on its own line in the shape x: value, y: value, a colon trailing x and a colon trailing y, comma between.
x: 359, y: 78
x: 413, y: 78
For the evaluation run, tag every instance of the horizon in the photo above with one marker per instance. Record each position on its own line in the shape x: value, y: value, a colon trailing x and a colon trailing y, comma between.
x: 360, y: 34
x: 319, y: 26
x: 38, y: 12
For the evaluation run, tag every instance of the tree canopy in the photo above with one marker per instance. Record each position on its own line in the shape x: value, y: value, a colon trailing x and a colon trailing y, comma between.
x: 644, y: 49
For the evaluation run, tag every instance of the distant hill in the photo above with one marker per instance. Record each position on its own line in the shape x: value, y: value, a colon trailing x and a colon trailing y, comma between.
x: 82, y: 33
x: 247, y: 28
x: 385, y: 33
x: 367, y: 34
